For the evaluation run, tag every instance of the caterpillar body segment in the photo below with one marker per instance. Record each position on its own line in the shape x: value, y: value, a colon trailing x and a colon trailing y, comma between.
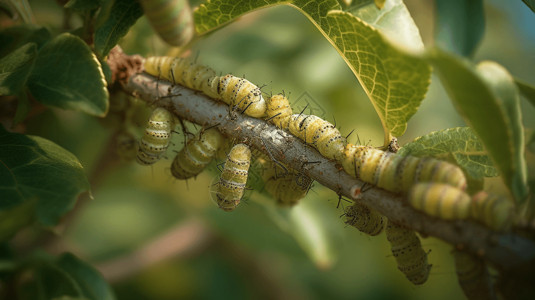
x: 183, y: 71
x: 279, y: 111
x: 156, y: 138
x: 196, y: 154
x: 321, y: 134
x: 397, y: 173
x: 211, y: 87
x: 288, y: 188
x: 495, y: 211
x: 473, y: 276
x: 364, y: 219
x: 410, y: 256
x: 172, y: 20
x: 240, y: 92
x: 440, y: 200
x: 231, y: 185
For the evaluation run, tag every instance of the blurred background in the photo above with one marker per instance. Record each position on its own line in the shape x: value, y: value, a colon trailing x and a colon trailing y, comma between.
x: 158, y: 238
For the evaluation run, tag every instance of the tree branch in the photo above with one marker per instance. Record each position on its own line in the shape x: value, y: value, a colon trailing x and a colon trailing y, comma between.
x: 506, y: 251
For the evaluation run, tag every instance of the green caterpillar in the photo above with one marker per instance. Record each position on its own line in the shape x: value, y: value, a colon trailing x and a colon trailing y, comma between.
x: 410, y: 256
x: 473, y: 276
x: 231, y: 185
x: 396, y: 173
x: 440, y: 200
x: 319, y: 133
x: 196, y: 154
x: 172, y: 20
x: 364, y: 219
x: 156, y: 138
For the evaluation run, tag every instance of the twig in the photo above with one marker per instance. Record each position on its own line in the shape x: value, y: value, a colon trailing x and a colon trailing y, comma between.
x: 506, y: 251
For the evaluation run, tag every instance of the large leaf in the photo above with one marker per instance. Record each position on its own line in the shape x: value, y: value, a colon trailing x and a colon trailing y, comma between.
x: 459, y: 145
x: 488, y: 100
x: 65, y: 278
x: 83, y: 5
x: 460, y: 25
x: 33, y: 169
x: 14, y: 37
x: 113, y: 24
x: 527, y: 90
x: 15, y: 68
x: 393, y: 21
x: 67, y: 74
x: 395, y: 82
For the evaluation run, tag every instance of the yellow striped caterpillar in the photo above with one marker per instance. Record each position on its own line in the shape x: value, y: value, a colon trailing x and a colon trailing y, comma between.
x: 396, y: 173
x: 473, y: 276
x: 196, y: 154
x: 180, y: 70
x: 321, y: 134
x: 156, y: 138
x: 241, y: 93
x: 231, y: 185
x: 288, y: 188
x: 495, y: 211
x: 172, y: 20
x: 279, y: 111
x: 364, y: 219
x: 410, y: 256
x: 440, y: 200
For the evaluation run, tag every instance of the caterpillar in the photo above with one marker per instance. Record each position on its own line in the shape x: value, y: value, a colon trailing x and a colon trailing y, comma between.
x: 180, y: 70
x: 172, y: 20
x: 396, y: 173
x: 126, y: 145
x: 473, y: 276
x: 287, y: 189
x: 440, y: 200
x: 196, y: 154
x: 231, y: 185
x: 232, y: 90
x: 279, y: 111
x: 495, y: 211
x: 410, y: 256
x: 364, y: 219
x: 321, y: 134
x: 243, y: 94
x: 156, y: 138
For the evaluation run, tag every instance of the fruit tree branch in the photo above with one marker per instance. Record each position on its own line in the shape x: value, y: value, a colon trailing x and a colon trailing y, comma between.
x: 506, y: 251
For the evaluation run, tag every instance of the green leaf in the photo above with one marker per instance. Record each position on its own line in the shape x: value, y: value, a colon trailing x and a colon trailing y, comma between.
x: 460, y: 25
x: 15, y: 218
x: 23, y: 108
x: 67, y: 74
x: 527, y: 90
x: 14, y: 37
x: 488, y: 100
x: 530, y: 4
x: 114, y: 23
x: 35, y: 169
x: 15, y: 68
x: 393, y: 21
x: 64, y: 279
x: 395, y: 81
x: 458, y: 145
x: 91, y: 283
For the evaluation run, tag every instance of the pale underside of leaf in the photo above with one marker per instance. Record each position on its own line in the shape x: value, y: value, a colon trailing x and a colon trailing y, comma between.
x: 395, y: 81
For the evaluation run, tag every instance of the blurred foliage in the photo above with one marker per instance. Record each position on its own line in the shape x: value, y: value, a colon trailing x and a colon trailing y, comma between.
x: 281, y: 48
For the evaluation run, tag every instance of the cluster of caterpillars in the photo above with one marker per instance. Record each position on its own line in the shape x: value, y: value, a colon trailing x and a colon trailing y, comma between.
x: 432, y: 186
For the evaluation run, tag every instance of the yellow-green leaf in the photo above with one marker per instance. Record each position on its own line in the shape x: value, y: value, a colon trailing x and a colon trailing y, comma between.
x: 488, y: 100
x: 395, y: 81
x: 459, y: 145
